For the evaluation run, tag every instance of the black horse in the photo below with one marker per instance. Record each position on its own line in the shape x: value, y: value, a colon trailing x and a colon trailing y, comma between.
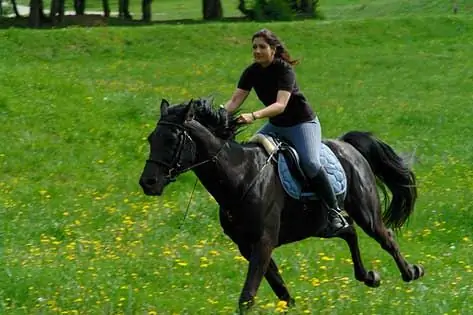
x: 255, y: 210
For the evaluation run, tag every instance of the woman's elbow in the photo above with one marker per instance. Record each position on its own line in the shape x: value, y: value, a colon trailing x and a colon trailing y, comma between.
x: 281, y: 107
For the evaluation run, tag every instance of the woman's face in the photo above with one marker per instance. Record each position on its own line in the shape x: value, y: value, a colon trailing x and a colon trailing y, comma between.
x: 263, y: 53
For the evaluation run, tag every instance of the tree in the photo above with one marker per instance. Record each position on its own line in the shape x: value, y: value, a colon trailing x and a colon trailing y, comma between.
x: 124, y: 9
x: 79, y: 7
x: 212, y: 9
x: 57, y: 11
x: 146, y: 10
x: 14, y: 6
x: 37, y: 15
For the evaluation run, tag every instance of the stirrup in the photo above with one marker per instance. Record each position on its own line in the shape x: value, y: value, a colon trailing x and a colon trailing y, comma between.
x: 339, y: 215
x: 332, y: 231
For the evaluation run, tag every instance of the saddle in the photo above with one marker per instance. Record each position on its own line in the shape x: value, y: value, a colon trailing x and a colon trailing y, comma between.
x: 292, y: 176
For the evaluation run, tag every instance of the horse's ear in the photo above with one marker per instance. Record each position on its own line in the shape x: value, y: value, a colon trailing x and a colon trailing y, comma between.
x: 210, y: 100
x: 190, y: 111
x: 164, y: 107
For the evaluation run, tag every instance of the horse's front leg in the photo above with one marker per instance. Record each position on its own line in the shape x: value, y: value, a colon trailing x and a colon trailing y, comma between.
x: 259, y: 259
x: 273, y: 277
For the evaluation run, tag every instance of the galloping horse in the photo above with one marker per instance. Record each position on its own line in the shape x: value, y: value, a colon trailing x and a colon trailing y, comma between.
x: 256, y: 210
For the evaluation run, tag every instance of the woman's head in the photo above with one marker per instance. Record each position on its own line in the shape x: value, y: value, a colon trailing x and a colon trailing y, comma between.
x: 267, y: 46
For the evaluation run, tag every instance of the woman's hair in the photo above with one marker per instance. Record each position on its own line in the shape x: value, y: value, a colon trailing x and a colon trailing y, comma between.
x: 276, y: 43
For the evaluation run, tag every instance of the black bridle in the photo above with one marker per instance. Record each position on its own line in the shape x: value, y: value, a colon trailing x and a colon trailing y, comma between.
x: 174, y: 168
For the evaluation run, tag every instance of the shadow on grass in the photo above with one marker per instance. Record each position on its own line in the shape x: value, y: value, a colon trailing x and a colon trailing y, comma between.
x: 97, y: 20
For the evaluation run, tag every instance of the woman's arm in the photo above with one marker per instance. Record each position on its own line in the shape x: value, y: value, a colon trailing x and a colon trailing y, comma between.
x: 276, y: 108
x: 270, y: 111
x: 236, y: 100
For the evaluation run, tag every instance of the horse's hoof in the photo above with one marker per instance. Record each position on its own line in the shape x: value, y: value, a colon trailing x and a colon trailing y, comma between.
x: 415, y: 272
x: 418, y: 271
x: 291, y: 302
x: 244, y: 307
x: 373, y: 279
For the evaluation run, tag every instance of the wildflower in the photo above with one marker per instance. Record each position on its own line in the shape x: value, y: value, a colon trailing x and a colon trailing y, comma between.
x: 281, y: 307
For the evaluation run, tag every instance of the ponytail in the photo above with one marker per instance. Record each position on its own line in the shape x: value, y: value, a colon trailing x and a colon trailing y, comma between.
x: 282, y: 53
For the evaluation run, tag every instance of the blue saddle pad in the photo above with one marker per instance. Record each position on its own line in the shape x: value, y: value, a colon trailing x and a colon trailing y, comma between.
x: 329, y: 162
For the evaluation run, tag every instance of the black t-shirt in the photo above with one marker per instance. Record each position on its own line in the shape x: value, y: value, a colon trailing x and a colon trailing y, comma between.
x: 266, y: 81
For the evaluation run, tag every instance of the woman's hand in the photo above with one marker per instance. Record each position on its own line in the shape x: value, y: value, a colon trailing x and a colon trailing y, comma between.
x: 246, y: 118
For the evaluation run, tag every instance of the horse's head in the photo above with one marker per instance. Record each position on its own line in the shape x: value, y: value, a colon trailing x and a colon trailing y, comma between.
x: 172, y: 150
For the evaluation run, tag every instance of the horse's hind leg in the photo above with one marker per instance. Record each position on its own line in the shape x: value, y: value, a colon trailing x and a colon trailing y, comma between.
x: 370, y: 278
x: 277, y: 283
x: 385, y: 238
x: 367, y: 215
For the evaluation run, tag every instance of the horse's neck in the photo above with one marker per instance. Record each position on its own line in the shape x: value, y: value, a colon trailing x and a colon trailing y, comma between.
x: 227, y: 166
x: 225, y: 178
x: 207, y: 143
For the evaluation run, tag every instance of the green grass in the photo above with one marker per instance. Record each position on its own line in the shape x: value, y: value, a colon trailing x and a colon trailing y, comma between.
x: 356, y: 9
x: 76, y: 105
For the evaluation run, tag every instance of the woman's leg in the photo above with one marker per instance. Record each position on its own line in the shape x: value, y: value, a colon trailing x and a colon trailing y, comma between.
x: 268, y: 129
x: 307, y: 140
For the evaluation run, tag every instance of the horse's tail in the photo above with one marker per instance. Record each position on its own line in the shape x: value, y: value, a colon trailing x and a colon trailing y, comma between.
x: 391, y: 170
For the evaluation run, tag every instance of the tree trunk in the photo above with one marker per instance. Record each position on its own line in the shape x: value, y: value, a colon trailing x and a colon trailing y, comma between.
x: 57, y: 11
x: 106, y: 8
x: 123, y: 9
x: 212, y: 9
x: 53, y: 11
x: 34, y: 19
x: 146, y: 9
x: 79, y: 7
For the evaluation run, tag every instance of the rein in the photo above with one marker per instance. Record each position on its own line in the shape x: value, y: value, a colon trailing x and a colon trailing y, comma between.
x: 270, y: 157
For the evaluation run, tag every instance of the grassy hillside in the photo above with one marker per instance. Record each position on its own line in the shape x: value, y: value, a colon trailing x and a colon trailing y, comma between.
x: 78, y: 236
x: 355, y: 9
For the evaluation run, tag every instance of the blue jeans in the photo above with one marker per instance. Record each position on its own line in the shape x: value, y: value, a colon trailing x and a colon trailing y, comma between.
x: 307, y: 140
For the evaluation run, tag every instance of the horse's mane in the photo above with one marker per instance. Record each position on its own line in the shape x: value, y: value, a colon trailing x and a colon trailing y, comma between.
x: 219, y: 121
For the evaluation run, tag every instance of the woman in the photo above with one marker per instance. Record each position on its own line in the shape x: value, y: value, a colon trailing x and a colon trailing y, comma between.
x: 290, y: 116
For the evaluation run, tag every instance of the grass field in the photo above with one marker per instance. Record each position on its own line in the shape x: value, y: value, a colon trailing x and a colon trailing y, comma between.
x: 79, y: 237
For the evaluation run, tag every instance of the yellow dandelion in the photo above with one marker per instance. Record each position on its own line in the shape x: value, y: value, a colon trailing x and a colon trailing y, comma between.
x: 281, y: 307
x: 268, y: 305
x: 326, y: 258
